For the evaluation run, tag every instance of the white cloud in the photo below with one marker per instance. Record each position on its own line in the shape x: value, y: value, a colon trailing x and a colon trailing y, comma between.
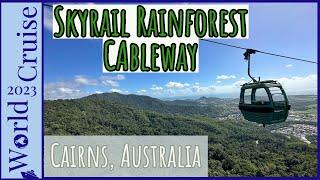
x: 300, y: 85
x: 85, y: 81
x: 218, y: 82
x: 115, y: 78
x: 120, y: 77
x: 118, y: 91
x: 63, y: 90
x: 225, y: 77
x: 198, y: 90
x: 175, y: 89
x: 142, y: 91
x: 111, y: 81
x: 292, y: 85
x: 289, y: 66
x: 176, y: 85
x: 74, y: 88
x: 47, y: 18
x: 67, y: 90
x: 228, y: 88
x: 115, y: 90
x: 156, y: 88
x: 98, y: 92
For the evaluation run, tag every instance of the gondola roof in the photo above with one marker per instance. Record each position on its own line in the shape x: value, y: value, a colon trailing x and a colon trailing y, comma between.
x: 261, y: 84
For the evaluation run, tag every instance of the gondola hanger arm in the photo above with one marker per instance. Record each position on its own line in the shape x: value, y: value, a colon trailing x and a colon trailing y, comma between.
x: 247, y: 56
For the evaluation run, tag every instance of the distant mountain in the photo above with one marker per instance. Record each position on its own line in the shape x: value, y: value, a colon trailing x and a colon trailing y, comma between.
x: 131, y: 99
x: 213, y: 107
x: 233, y: 148
x: 301, y: 102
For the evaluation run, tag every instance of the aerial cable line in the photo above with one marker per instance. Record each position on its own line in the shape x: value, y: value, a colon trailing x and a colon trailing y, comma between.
x: 262, y: 52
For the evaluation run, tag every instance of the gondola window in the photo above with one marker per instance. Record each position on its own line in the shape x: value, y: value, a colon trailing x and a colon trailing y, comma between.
x: 261, y: 96
x: 247, y: 96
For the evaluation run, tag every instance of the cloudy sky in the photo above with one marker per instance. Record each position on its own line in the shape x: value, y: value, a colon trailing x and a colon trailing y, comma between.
x: 73, y: 68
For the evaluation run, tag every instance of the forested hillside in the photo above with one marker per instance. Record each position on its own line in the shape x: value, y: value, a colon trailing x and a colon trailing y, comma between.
x: 236, y: 147
x: 181, y: 107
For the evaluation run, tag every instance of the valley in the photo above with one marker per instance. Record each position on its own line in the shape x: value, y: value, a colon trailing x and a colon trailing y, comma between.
x: 236, y: 147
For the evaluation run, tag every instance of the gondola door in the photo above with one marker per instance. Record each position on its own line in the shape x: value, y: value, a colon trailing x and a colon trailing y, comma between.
x: 280, y: 104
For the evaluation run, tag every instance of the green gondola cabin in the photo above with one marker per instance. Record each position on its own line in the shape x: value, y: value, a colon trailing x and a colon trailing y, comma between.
x: 264, y: 102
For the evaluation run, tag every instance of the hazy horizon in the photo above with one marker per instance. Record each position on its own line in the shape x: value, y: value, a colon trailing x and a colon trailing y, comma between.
x: 175, y: 98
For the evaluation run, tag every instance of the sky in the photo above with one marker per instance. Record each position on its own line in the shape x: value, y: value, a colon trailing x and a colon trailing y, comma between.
x: 73, y: 68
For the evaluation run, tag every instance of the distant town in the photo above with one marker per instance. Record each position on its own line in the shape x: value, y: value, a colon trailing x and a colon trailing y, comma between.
x: 299, y: 124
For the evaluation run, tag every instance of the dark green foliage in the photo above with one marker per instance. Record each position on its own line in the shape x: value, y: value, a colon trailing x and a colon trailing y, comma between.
x: 233, y: 147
